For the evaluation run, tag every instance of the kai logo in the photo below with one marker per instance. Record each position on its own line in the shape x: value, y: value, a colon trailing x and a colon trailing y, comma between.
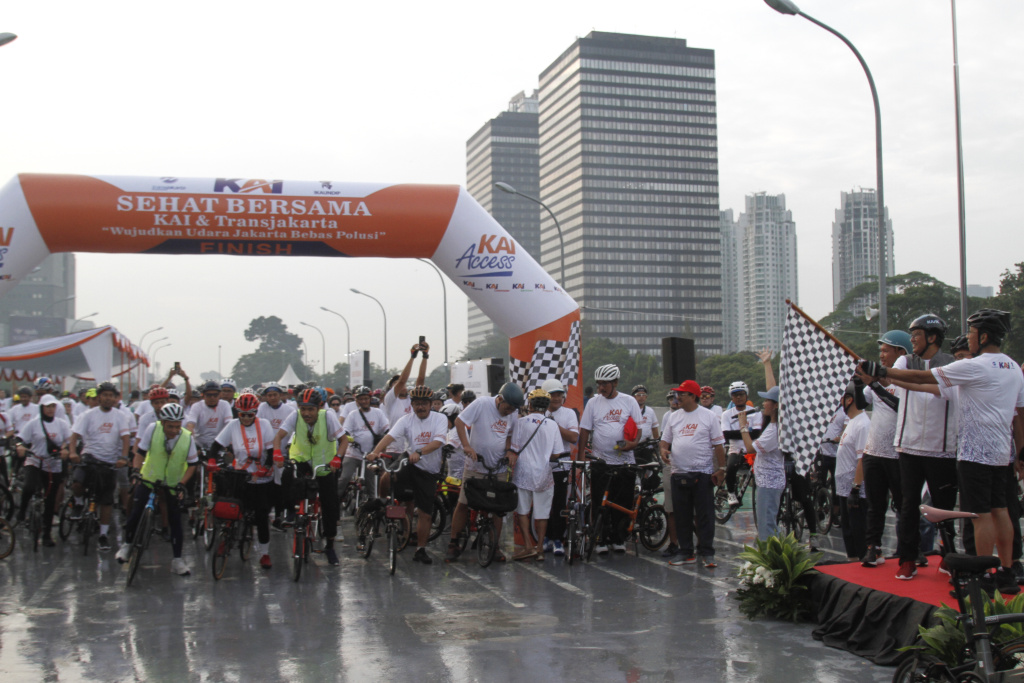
x: 518, y: 285
x: 614, y: 415
x: 6, y: 235
x: 539, y: 286
x: 492, y: 285
x: 243, y: 186
x: 493, y: 256
x: 469, y: 283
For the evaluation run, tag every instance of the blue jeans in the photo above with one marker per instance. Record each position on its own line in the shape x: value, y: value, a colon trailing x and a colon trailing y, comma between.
x: 767, y: 512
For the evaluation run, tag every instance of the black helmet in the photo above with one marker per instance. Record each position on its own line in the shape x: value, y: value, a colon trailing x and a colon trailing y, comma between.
x: 991, y: 321
x: 362, y: 390
x: 638, y: 389
x: 210, y: 386
x: 468, y: 396
x: 106, y: 386
x: 931, y: 324
x: 856, y: 389
x: 959, y: 344
x: 512, y: 394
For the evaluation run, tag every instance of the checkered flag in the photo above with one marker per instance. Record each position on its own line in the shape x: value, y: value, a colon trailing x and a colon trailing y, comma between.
x: 813, y: 374
x: 548, y: 362
x: 519, y: 372
x: 571, y: 368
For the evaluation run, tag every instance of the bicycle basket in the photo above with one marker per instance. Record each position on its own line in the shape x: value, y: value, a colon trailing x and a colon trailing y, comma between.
x: 651, y: 481
x: 227, y: 509
x: 395, y: 512
x: 645, y: 455
x: 302, y: 487
x: 491, y: 495
x: 230, y: 483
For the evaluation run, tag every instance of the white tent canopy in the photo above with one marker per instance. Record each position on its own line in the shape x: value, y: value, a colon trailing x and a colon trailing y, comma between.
x: 289, y: 378
x: 100, y: 352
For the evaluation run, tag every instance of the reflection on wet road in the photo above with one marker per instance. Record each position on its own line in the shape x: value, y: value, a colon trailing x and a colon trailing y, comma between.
x: 621, y: 618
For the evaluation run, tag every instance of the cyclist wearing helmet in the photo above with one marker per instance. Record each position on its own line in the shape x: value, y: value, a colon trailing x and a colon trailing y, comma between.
x: 648, y: 420
x: 436, y: 401
x: 275, y: 410
x: 228, y: 389
x: 569, y: 430
x: 166, y: 453
x: 454, y: 393
x: 44, y: 441
x: 22, y: 412
x: 606, y: 417
x: 536, y: 442
x: 367, y: 426
x: 44, y: 387
x: 106, y: 435
x: 314, y: 445
x: 396, y: 401
x: 960, y: 348
x: 350, y: 406
x: 334, y: 403
x: 251, y: 439
x: 987, y: 388
x: 731, y: 428
x: 208, y: 418
x: 424, y: 432
x: 707, y: 400
x: 158, y: 398
x: 468, y: 396
x: 491, y: 422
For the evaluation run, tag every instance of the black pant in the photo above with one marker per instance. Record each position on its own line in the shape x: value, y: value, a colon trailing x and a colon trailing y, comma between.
x: 732, y: 466
x: 330, y: 509
x: 802, y: 493
x: 556, y: 522
x: 881, y: 478
x: 1013, y: 508
x: 828, y: 464
x: 258, y: 499
x: 139, y: 500
x: 693, y: 495
x: 35, y: 479
x: 854, y: 521
x: 915, y: 472
x: 620, y: 485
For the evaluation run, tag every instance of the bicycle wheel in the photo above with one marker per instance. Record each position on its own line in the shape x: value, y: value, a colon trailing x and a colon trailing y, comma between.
x: 1008, y: 657
x: 393, y: 532
x: 220, y: 553
x: 367, y: 531
x: 6, y: 538
x: 923, y: 668
x: 653, y: 527
x: 822, y: 502
x: 138, y: 545
x: 571, y: 545
x: 245, y: 544
x: 35, y: 524
x: 298, y: 551
x: 438, y: 518
x: 88, y: 527
x: 723, y: 511
x: 404, y: 531
x: 594, y: 536
x: 799, y: 520
x: 66, y: 525
x: 486, y: 545
x: 209, y: 529
x: 7, y: 509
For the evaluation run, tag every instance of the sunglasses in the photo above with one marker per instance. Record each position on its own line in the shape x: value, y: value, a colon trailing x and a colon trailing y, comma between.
x: 247, y: 415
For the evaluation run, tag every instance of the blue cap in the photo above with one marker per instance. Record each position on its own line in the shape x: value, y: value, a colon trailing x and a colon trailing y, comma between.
x: 898, y: 339
x: 770, y: 395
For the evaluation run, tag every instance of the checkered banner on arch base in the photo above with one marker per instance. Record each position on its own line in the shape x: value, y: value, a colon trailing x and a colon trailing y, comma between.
x: 551, y: 360
x: 813, y: 374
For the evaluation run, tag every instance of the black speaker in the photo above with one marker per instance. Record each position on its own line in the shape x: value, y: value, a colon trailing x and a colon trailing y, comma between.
x: 678, y: 360
x: 495, y: 378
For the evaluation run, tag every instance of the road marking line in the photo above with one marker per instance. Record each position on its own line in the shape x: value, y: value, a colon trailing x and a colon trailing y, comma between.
x: 558, y: 582
x: 501, y: 594
x: 627, y: 577
x: 47, y: 586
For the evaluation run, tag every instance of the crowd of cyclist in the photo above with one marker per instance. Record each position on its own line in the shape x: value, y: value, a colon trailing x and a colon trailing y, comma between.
x: 942, y: 425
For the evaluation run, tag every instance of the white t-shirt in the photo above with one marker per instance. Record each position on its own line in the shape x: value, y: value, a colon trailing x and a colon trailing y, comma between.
x: 731, y: 423
x: 990, y: 387
x: 851, y: 448
x: 32, y: 434
x: 347, y: 409
x: 648, y: 422
x: 208, y: 422
x: 249, y: 444
x: 883, y: 424
x: 693, y: 436
x: 834, y: 431
x: 355, y: 426
x: 101, y: 432
x: 532, y: 471
x: 769, y: 465
x: 489, y: 432
x: 394, y: 409
x: 146, y: 440
x: 566, y: 419
x: 457, y: 460
x: 419, y: 434
x: 605, y: 419
x: 19, y: 416
x: 275, y: 416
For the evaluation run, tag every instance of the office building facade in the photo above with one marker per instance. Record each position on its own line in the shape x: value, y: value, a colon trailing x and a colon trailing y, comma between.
x: 41, y: 305
x: 855, y: 246
x: 732, y: 282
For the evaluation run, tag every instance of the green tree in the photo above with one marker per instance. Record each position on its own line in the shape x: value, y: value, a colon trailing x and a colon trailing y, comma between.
x: 278, y: 348
x: 1011, y: 298
x: 721, y: 371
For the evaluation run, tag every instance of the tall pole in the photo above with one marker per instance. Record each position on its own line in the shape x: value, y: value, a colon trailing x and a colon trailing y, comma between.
x: 152, y: 359
x: 505, y: 187
x: 348, y: 334
x: 789, y: 7
x: 84, y: 317
x: 323, y: 342
x: 384, y: 313
x: 960, y: 180
x: 147, y: 333
x: 444, y: 294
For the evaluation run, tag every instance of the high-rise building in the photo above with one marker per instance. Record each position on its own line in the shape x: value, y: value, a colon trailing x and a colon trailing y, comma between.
x: 629, y: 164
x: 505, y: 150
x: 42, y: 304
x: 855, y: 246
x: 769, y: 270
x: 732, y: 282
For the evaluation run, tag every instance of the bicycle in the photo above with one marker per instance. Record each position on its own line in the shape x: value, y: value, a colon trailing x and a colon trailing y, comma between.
x: 390, y: 514
x: 577, y: 511
x: 234, y: 522
x: 35, y: 514
x: 790, y: 518
x: 89, y: 522
x: 647, y: 524
x: 6, y: 538
x: 487, y: 499
x: 821, y: 495
x: 307, y: 521
x: 744, y: 479
x: 7, y: 508
x: 145, y: 529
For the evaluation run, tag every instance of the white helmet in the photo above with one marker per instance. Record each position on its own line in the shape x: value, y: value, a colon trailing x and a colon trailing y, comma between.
x: 606, y: 373
x: 737, y: 387
x: 552, y: 385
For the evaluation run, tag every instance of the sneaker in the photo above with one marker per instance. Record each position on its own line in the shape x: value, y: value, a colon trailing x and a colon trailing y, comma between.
x: 549, y: 545
x: 421, y: 556
x: 709, y: 562
x: 733, y: 500
x: 942, y: 567
x: 453, y: 552
x: 872, y: 558
x: 103, y: 544
x: 361, y: 543
x: 558, y: 549
x: 601, y: 549
x: 921, y: 560
x: 1018, y: 571
x: 1006, y: 581
x: 76, y: 512
x: 907, y: 571
x: 671, y: 551
x: 812, y: 542
x: 179, y: 567
x: 122, y: 553
x: 48, y: 541
x: 682, y: 558
x: 619, y: 547
x: 265, y: 562
x: 332, y: 556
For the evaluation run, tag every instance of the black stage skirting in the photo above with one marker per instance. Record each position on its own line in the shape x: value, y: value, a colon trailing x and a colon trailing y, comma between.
x: 867, y: 622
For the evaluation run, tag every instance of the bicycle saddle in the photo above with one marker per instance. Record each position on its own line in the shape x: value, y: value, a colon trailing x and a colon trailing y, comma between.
x: 936, y: 515
x: 969, y: 564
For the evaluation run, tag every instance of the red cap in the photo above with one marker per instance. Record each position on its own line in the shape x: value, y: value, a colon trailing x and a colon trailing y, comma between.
x: 689, y: 387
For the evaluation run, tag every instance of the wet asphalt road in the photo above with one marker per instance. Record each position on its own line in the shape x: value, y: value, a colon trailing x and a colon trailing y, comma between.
x: 65, y: 617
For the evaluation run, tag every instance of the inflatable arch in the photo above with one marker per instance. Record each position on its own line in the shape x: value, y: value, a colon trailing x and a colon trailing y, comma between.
x: 43, y: 214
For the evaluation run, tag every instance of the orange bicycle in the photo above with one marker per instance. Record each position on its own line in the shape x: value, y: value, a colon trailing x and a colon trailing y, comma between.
x: 647, y: 523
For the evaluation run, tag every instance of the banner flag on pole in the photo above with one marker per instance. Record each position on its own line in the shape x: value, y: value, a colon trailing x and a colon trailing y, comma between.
x: 813, y: 373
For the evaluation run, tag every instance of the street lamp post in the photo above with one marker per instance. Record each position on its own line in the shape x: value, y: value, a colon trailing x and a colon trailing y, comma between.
x: 84, y: 317
x: 384, y: 313
x: 789, y: 7
x: 152, y: 359
x: 323, y: 348
x: 444, y: 294
x: 146, y: 334
x: 960, y: 180
x: 505, y: 187
x: 348, y: 334
x: 154, y: 343
x: 58, y: 301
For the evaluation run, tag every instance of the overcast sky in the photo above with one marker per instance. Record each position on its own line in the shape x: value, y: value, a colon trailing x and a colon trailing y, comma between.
x: 391, y: 92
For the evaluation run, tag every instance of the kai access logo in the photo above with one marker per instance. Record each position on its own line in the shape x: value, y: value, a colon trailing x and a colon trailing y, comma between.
x: 493, y: 256
x: 243, y: 186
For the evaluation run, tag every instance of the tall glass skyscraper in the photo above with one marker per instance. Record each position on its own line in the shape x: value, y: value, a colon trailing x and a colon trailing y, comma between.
x: 629, y: 164
x: 855, y: 246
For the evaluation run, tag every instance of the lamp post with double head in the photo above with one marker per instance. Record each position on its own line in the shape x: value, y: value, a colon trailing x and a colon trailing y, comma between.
x: 384, y: 313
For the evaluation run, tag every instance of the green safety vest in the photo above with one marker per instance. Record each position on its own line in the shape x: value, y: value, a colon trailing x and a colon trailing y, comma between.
x: 320, y: 453
x: 161, y: 466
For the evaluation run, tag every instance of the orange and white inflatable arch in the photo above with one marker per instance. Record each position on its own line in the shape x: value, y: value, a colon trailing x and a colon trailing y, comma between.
x: 44, y: 214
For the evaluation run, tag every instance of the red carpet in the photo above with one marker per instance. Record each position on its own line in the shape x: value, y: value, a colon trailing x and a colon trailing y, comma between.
x: 929, y: 586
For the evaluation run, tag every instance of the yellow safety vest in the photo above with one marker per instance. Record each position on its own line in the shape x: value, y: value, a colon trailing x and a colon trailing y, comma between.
x: 161, y: 466
x: 316, y: 454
